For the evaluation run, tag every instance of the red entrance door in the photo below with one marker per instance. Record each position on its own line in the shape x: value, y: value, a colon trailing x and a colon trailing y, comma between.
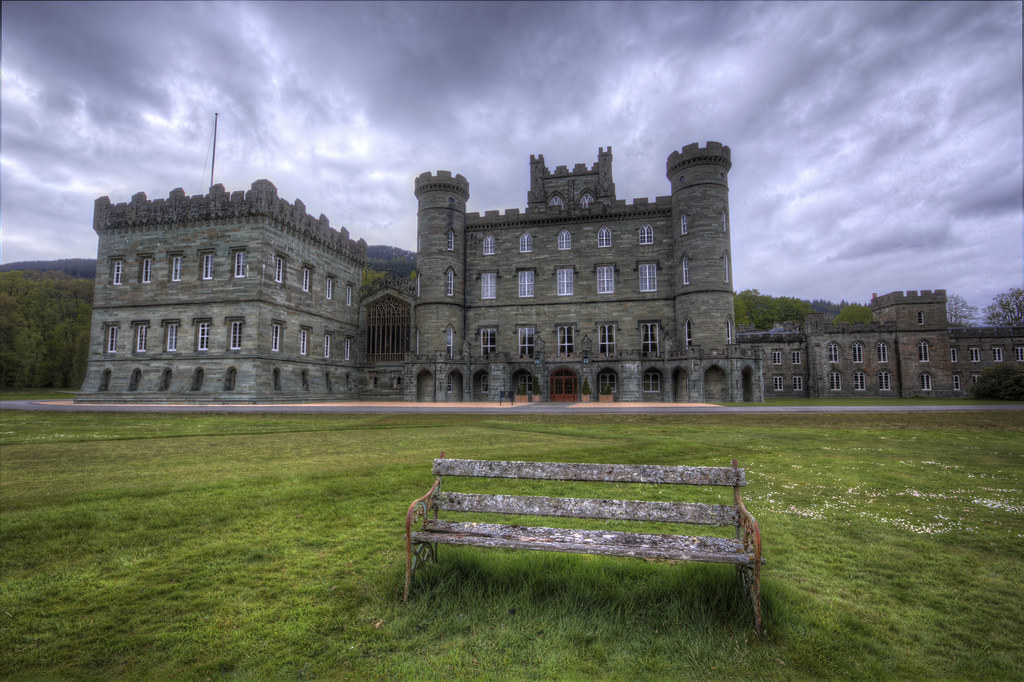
x: 563, y: 385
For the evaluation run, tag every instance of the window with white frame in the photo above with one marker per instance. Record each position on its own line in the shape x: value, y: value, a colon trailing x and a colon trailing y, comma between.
x: 975, y: 353
x: 348, y: 348
x: 779, y: 383
x: 348, y: 291
x: 688, y: 332
x: 450, y: 240
x: 565, y: 281
x: 240, y: 264
x: 525, y: 283
x: 141, y: 332
x: 526, y: 341
x: 606, y: 339
x: 795, y: 357
x: 236, y: 335
x: 327, y: 345
x: 833, y: 352
x: 203, y: 336
x: 954, y: 354
x: 684, y: 224
x: 1018, y: 353
x: 147, y: 270
x: 450, y: 383
x: 564, y: 240
x: 330, y: 288
x: 307, y: 277
x: 488, y: 284
x: 649, y: 338
x: 172, y: 337
x: 648, y: 276
x: 883, y: 351
x: 607, y: 382
x: 278, y: 268
x: 926, y: 382
x: 646, y: 234
x: 859, y: 381
x: 728, y: 330
x: 605, y: 279
x: 798, y: 383
x: 556, y: 201
x: 118, y: 271
x: 858, y: 351
x: 449, y: 282
x: 835, y: 382
x: 997, y: 354
x: 686, y: 269
x: 604, y: 238
x: 884, y: 381
x: 449, y: 341
x: 922, y: 351
x: 175, y: 268
x: 275, y: 337
x: 586, y: 200
x: 303, y: 341
x: 488, y: 340
x: 975, y: 378
x: 956, y: 382
x: 525, y: 243
x: 651, y: 381
x: 566, y: 340
x: 725, y: 222
x: 485, y: 382
x: 920, y: 317
x: 488, y: 245
x: 207, y: 266
x: 725, y: 268
x: 776, y: 357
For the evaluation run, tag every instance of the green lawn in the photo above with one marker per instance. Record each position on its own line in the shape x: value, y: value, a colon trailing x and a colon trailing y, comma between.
x: 271, y: 546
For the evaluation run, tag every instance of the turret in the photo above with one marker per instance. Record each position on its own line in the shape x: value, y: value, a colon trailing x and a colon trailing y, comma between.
x: 703, y: 254
x: 441, y: 262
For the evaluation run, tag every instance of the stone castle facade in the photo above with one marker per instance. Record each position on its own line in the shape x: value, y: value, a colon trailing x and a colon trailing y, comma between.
x: 246, y: 297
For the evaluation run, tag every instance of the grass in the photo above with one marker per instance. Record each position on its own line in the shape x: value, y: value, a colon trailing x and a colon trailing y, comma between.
x: 271, y: 546
x: 37, y: 394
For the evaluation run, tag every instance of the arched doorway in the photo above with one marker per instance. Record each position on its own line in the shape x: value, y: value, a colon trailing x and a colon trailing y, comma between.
x: 715, y: 384
x: 748, y: 385
x: 679, y: 382
x: 564, y: 386
x: 481, y: 385
x: 425, y: 387
x: 453, y: 387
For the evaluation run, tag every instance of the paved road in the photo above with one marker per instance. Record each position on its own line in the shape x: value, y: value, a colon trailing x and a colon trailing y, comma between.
x: 491, y: 408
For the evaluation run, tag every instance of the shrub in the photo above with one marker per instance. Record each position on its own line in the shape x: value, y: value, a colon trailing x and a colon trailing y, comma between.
x: 1002, y: 382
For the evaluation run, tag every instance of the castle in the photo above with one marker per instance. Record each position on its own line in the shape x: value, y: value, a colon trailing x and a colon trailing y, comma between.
x: 245, y: 297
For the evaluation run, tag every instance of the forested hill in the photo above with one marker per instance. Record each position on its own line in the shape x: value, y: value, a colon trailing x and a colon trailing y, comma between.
x: 79, y: 268
x: 398, y: 262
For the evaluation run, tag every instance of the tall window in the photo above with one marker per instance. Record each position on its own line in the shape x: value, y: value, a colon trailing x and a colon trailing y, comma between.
x: 858, y: 352
x: 652, y: 381
x: 488, y: 340
x: 141, y: 332
x: 920, y: 317
x: 348, y: 292
x: 926, y: 382
x: 566, y: 337
x: 526, y: 341
x: 239, y: 263
x: 997, y: 354
x: 488, y: 284
x: 565, y: 282
x: 112, y: 339
x: 728, y: 331
x: 833, y: 352
x: 649, y: 338
x: 798, y: 383
x: 278, y: 269
x: 954, y: 355
x: 884, y: 383
x: 303, y: 341
x: 564, y: 240
x: 330, y: 288
x: 348, y: 348
x: 449, y: 283
x: 176, y: 269
x: 306, y: 277
x: 684, y: 224
x: 859, y: 383
x: 115, y: 277
x: 488, y: 245
x: 725, y: 268
x: 449, y: 341
x: 686, y: 269
x: 795, y: 355
x: 275, y: 337
x: 835, y: 382
x: 605, y: 279
x: 648, y: 277
x: 725, y: 222
x: 172, y: 337
x: 147, y: 270
x: 883, y: 351
x: 525, y: 283
x: 1018, y: 353
x: 688, y: 333
x: 327, y: 345
x: 586, y: 200
x: 956, y: 382
x: 606, y: 339
x: 776, y: 357
x: 236, y: 335
x: 779, y: 383
x: 203, y: 339
x: 646, y: 234
x: 450, y: 240
x: 975, y: 354
x: 525, y: 243
x: 922, y: 351
x: 207, y: 266
x: 604, y: 237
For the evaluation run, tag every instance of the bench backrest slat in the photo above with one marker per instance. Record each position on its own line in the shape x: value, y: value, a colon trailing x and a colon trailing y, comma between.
x: 626, y: 510
x: 610, y: 473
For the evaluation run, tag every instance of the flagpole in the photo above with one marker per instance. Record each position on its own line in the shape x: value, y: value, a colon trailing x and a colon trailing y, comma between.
x: 214, y: 161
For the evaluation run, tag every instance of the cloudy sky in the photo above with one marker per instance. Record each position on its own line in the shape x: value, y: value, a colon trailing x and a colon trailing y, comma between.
x: 875, y: 147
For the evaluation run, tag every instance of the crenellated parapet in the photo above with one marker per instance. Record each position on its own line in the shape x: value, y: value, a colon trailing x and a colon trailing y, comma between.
x: 569, y: 185
x: 909, y: 298
x: 260, y: 201
x: 442, y: 181
x: 619, y: 208
x: 694, y: 154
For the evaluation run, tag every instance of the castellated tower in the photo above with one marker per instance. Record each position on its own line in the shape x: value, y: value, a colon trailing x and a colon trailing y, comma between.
x: 702, y: 256
x: 441, y: 263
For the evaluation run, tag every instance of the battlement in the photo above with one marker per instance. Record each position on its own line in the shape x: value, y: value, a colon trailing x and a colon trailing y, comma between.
x: 691, y: 154
x: 538, y: 169
x: 260, y: 200
x: 535, y: 213
x: 442, y: 182
x: 909, y: 298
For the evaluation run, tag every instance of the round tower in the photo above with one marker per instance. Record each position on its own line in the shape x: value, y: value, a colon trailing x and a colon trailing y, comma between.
x: 441, y: 262
x: 703, y: 255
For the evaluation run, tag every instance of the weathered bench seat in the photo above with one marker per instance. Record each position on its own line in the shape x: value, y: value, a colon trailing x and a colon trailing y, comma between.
x: 744, y: 551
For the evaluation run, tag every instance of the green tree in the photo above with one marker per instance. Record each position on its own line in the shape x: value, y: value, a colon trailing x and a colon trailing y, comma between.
x: 855, y: 312
x: 763, y: 310
x: 1007, y: 309
x: 1002, y: 382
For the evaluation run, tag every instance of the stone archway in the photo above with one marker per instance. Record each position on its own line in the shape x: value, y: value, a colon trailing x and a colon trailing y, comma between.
x: 680, y: 381
x: 564, y: 385
x: 748, y: 385
x: 716, y: 386
x: 425, y: 387
x: 453, y: 387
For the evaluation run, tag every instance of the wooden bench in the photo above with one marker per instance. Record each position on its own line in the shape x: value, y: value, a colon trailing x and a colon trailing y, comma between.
x: 744, y: 551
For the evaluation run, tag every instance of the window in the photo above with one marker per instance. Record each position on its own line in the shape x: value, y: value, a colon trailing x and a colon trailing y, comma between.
x: 604, y: 238
x: 207, y: 266
x: 883, y: 351
x: 172, y: 337
x: 565, y: 282
x: 141, y: 332
x: 236, y: 335
x: 275, y: 337
x: 975, y: 378
x: 525, y: 283
x: 176, y: 269
x: 564, y: 240
x: 348, y: 348
x: 688, y: 333
x: 488, y: 286
x: 920, y: 317
x: 776, y: 357
x: 450, y: 240
x: 728, y: 331
x: 278, y: 269
x: 922, y: 351
x: 203, y: 336
x: 684, y: 225
x: 306, y: 277
x: 884, y: 383
x: 586, y: 200
x: 606, y: 339
x: 835, y: 382
x: 648, y: 277
x: 488, y: 245
x: 348, y: 292
x: 330, y: 288
x: 725, y: 222
x: 651, y: 382
x: 556, y: 201
x: 488, y: 340
x: 926, y: 382
x: 449, y: 282
x: 858, y: 352
x: 485, y: 382
x: 147, y: 270
x: 606, y: 279
x: 975, y: 354
x: 115, y: 278
x: 649, y: 338
x: 449, y: 341
x: 798, y: 383
x: 606, y: 382
x: 327, y: 345
x: 566, y: 337
x: 953, y: 355
x: 526, y: 341
x: 725, y: 268
x: 795, y: 355
x: 646, y: 234
x: 956, y: 382
x: 240, y: 269
x: 525, y: 243
x: 833, y: 352
x: 859, y: 382
x: 686, y: 269
x: 997, y: 354
x: 1018, y: 353
x: 303, y: 341
x: 779, y: 383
